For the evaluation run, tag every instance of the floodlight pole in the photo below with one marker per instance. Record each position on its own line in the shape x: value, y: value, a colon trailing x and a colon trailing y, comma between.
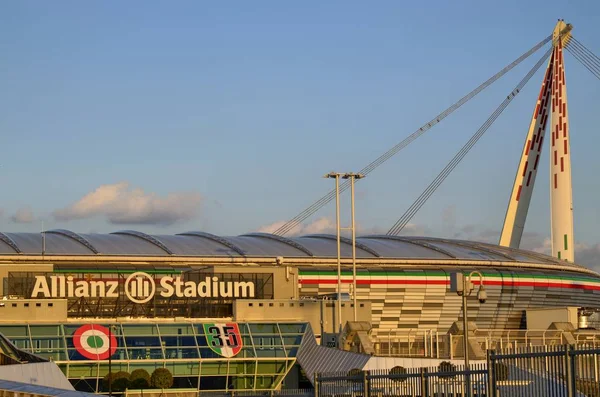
x: 336, y: 176
x: 352, y: 177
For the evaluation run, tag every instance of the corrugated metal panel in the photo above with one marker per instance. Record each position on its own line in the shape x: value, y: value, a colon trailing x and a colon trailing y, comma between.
x: 25, y: 388
x: 317, y: 359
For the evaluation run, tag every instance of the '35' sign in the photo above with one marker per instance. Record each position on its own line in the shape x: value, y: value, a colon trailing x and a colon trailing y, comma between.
x: 224, y: 338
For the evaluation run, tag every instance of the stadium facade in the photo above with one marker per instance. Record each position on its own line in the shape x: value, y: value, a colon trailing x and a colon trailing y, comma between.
x: 232, y: 312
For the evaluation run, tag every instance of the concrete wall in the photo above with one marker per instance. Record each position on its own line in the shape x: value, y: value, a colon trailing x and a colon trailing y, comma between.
x: 28, y: 310
x: 541, y: 318
x: 313, y: 311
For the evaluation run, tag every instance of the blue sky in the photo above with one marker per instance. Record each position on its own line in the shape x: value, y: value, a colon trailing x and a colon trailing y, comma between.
x: 223, y: 117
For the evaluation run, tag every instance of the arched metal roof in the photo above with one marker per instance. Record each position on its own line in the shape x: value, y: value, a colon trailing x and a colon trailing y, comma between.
x: 202, y: 244
x: 80, y: 239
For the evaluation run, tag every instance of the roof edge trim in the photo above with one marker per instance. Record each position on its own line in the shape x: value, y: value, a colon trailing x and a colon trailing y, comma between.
x: 10, y: 242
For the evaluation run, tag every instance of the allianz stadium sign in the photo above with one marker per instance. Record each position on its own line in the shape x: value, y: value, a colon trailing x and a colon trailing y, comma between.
x: 140, y: 288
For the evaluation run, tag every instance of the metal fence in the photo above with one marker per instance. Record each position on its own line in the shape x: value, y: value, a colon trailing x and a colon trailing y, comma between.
x: 445, y: 380
x: 549, y: 371
x: 433, y: 344
x: 259, y: 393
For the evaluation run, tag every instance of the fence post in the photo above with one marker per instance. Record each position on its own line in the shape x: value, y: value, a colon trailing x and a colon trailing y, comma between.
x: 491, y: 367
x: 570, y: 372
x: 424, y: 391
x: 366, y: 386
x: 316, y: 385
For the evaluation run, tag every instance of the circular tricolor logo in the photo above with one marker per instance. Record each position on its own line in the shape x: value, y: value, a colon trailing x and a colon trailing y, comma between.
x: 92, y: 342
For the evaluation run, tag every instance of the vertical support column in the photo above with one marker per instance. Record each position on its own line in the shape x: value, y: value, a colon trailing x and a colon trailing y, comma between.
x: 518, y: 205
x: 561, y: 191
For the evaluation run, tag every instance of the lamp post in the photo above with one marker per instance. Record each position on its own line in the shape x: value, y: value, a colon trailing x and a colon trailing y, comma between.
x: 352, y: 177
x: 463, y: 286
x: 110, y: 377
x: 336, y: 176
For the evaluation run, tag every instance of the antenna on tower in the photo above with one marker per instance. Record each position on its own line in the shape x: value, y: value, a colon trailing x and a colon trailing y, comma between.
x: 43, y: 240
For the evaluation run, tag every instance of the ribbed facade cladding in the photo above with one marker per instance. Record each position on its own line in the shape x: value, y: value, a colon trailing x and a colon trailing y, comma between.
x: 420, y: 299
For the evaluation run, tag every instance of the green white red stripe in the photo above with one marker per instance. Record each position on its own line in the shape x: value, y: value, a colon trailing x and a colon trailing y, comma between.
x: 307, y: 278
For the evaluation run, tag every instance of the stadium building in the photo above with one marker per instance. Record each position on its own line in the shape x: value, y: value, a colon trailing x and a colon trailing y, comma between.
x: 232, y: 313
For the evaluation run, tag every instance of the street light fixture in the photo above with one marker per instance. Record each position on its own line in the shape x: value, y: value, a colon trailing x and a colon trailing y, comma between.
x: 463, y: 286
x: 352, y: 177
x: 110, y: 376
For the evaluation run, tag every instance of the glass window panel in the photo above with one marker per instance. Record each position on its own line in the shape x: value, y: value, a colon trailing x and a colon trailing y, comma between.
x: 184, y: 369
x: 213, y: 383
x: 139, y: 341
x: 199, y: 329
x: 292, y: 328
x: 114, y: 367
x: 179, y: 341
x: 140, y: 329
x: 88, y: 385
x: 181, y: 352
x: 270, y: 367
x: 241, y: 382
x: 145, y: 353
x: 213, y: 368
x: 176, y: 329
x: 264, y: 328
x: 53, y: 355
x: 11, y: 331
x: 265, y: 382
x: 24, y: 344
x: 120, y: 354
x: 271, y: 353
x: 242, y: 367
x: 88, y: 370
x: 149, y: 366
x: 292, y: 340
x: 45, y: 330
x: 48, y: 343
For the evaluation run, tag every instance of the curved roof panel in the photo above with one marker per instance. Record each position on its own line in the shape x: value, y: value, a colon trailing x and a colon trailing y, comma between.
x: 122, y: 244
x: 202, y: 244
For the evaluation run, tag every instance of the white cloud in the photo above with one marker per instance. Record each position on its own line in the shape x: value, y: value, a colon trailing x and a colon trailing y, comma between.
x: 322, y: 225
x: 318, y: 226
x: 23, y: 215
x: 122, y: 204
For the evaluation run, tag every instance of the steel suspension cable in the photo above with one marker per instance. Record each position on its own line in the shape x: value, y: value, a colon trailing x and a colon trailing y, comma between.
x: 407, y: 216
x: 292, y: 223
x: 594, y: 70
x: 593, y: 57
x: 585, y: 57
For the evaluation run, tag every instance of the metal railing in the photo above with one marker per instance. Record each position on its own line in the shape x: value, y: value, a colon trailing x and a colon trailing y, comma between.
x: 433, y: 344
x: 549, y: 371
x: 445, y: 380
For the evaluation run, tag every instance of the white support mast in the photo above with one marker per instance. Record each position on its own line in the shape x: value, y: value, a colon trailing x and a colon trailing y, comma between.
x: 551, y: 100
